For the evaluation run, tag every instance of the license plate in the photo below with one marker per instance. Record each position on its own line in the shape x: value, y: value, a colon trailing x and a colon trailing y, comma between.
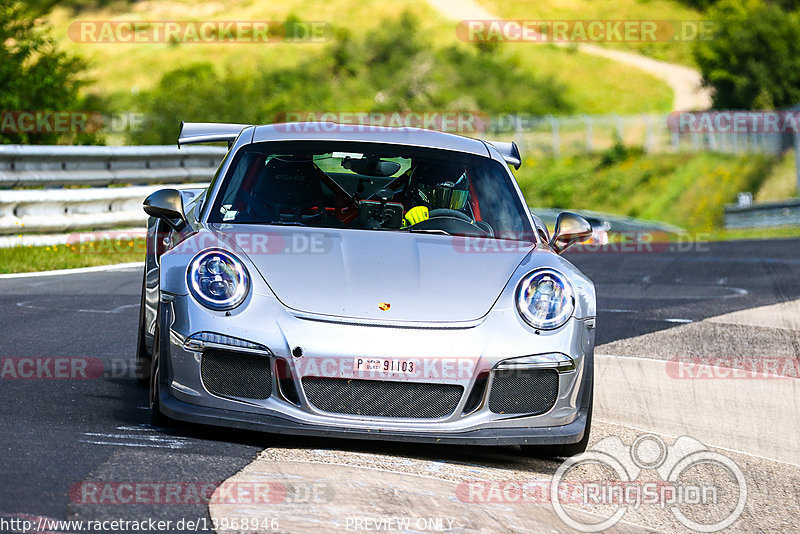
x: 383, y: 365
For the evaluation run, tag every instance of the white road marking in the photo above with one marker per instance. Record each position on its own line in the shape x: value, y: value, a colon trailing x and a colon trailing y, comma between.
x: 681, y: 321
x: 737, y: 292
x: 82, y: 270
x: 149, y: 445
x: 28, y: 304
x: 142, y: 439
x: 134, y: 436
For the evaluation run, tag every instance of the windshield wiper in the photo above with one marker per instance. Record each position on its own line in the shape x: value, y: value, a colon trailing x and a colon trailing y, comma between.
x: 428, y: 231
x: 286, y: 223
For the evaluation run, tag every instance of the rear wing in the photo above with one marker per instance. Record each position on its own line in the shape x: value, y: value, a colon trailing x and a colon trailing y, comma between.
x: 209, y: 132
x: 509, y: 151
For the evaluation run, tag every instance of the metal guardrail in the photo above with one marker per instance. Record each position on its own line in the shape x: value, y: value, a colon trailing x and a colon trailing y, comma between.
x: 52, y: 207
x: 57, y: 210
x: 764, y: 215
x: 582, y: 134
x: 48, y: 166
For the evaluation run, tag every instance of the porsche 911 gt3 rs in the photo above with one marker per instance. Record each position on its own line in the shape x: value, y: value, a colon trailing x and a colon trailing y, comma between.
x: 366, y: 282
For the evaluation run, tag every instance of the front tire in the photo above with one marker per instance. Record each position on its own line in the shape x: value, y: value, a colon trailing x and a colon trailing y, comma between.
x: 143, y: 358
x: 156, y: 417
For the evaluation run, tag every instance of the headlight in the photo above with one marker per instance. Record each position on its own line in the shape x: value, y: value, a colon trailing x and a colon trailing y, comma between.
x: 545, y: 299
x: 217, y: 279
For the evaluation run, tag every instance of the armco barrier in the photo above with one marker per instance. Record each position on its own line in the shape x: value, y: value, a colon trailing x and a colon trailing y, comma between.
x: 49, y: 166
x: 56, y: 210
x: 763, y: 215
x: 49, y: 206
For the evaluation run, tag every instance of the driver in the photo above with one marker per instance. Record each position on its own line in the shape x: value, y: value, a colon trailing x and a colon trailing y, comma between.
x: 435, y: 186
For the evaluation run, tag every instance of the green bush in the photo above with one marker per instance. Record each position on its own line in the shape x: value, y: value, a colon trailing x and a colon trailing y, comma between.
x: 35, y: 75
x: 753, y: 60
x: 395, y: 69
x: 687, y: 190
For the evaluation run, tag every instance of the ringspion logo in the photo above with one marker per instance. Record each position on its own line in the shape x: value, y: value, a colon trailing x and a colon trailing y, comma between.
x: 691, y: 478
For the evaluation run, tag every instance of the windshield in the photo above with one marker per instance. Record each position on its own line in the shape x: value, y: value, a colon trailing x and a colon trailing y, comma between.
x: 371, y: 186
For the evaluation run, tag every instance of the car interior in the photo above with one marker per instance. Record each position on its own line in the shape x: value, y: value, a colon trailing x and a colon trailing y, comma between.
x: 366, y: 190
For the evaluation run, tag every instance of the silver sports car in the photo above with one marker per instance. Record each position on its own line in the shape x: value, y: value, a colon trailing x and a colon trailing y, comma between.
x: 366, y: 282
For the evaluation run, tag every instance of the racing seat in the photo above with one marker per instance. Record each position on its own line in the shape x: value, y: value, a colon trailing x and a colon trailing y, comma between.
x: 289, y: 190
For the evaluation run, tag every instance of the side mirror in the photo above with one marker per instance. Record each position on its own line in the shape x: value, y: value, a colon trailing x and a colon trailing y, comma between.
x: 167, y: 205
x: 570, y: 229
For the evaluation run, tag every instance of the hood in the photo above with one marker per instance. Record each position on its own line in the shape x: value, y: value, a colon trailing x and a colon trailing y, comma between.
x: 380, y: 275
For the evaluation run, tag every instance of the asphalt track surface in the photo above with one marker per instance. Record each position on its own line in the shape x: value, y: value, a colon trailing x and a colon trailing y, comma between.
x: 56, y: 433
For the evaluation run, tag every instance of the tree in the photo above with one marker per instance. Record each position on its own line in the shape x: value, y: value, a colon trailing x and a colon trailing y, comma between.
x: 753, y: 59
x: 34, y: 74
x: 397, y: 69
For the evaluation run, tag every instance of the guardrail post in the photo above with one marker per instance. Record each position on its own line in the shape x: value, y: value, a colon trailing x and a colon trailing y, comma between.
x: 649, y: 138
x: 620, y: 129
x: 589, y: 134
x: 555, y: 134
x: 797, y: 162
x: 518, y: 133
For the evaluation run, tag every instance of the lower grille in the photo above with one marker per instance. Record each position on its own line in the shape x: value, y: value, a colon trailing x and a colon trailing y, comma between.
x: 378, y: 398
x: 234, y: 374
x: 530, y: 391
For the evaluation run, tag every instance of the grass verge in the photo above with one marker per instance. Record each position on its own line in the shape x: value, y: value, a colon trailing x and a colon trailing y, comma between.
x: 35, y: 259
x: 666, y: 13
x: 47, y: 258
x: 123, y: 70
x: 686, y: 190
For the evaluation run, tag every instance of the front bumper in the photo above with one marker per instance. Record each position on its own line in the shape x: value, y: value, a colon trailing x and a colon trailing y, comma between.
x: 498, y: 337
x: 547, y: 435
